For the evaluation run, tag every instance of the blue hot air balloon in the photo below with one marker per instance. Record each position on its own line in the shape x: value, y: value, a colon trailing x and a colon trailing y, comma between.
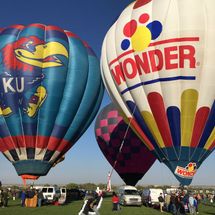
x: 50, y: 91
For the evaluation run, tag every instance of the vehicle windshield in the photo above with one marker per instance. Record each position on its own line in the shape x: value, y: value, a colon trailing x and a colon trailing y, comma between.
x: 44, y: 190
x: 131, y: 192
x: 50, y: 190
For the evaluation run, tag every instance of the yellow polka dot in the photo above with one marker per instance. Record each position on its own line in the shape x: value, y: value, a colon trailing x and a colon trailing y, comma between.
x: 141, y: 39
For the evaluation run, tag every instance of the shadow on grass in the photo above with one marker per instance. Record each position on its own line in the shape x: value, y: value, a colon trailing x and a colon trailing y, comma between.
x: 211, y: 213
x: 209, y: 205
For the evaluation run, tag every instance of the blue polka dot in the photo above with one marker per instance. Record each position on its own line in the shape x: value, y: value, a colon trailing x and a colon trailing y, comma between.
x: 156, y: 28
x: 125, y: 44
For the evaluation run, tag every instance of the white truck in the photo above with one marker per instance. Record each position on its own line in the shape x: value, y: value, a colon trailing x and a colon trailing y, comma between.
x: 128, y: 195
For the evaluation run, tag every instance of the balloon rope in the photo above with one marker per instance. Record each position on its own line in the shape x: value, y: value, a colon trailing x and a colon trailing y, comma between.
x: 123, y: 141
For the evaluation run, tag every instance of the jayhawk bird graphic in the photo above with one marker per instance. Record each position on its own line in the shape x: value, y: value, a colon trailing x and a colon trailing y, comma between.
x: 24, y: 65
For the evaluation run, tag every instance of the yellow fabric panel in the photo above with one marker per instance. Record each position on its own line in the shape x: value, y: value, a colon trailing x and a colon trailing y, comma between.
x: 210, y: 140
x: 151, y: 124
x: 189, y: 100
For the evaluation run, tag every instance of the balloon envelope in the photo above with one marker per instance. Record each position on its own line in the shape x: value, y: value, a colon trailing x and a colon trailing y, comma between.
x: 158, y: 66
x: 50, y: 91
x: 112, y: 133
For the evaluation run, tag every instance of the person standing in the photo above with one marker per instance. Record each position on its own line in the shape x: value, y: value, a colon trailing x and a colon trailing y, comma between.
x: 167, y: 201
x: 115, y: 201
x: 161, y: 202
x: 39, y: 198
x: 1, y: 198
x: 191, y: 205
x: 5, y: 198
x: 23, y: 197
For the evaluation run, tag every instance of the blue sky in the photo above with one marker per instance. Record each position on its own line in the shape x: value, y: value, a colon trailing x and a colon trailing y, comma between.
x: 90, y: 19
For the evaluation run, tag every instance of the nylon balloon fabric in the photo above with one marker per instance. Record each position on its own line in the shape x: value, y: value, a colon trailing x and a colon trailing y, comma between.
x: 157, y: 65
x: 134, y: 159
x: 50, y: 91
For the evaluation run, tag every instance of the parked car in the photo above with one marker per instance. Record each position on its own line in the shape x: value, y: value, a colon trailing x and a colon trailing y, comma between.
x: 74, y: 194
x: 63, y: 195
x: 129, y: 195
x: 150, y: 196
x: 51, y: 193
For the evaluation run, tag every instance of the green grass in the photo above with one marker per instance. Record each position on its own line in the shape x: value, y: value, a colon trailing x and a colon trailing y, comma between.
x: 74, y: 207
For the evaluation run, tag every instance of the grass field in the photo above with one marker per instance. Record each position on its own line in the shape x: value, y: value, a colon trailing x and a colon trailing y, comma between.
x: 14, y: 208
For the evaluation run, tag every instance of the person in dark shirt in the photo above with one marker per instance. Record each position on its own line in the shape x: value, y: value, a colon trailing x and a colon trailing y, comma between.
x: 23, y: 197
x: 88, y: 207
x: 39, y: 198
x: 161, y: 202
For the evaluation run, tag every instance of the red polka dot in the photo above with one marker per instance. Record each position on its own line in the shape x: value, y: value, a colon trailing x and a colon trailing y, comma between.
x: 144, y: 18
x: 140, y: 3
x: 130, y: 28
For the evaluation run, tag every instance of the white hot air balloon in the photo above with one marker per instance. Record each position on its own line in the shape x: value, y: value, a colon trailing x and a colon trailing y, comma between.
x: 158, y: 66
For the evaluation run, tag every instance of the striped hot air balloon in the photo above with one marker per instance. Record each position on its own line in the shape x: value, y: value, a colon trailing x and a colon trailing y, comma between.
x: 158, y: 66
x: 50, y: 91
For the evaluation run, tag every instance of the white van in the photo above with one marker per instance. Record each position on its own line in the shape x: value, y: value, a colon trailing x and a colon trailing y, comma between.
x: 51, y: 193
x: 150, y: 196
x: 128, y: 195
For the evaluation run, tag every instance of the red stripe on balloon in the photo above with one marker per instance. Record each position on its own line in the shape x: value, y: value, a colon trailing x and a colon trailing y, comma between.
x: 141, y: 133
x: 30, y: 141
x: 36, y: 25
x: 42, y: 142
x: 6, y: 145
x: 140, y: 3
x: 158, y: 109
x: 15, y: 142
x: 70, y: 34
x: 199, y: 125
x: 20, y: 27
x: 9, y: 143
x: 54, y: 28
x: 63, y: 146
x: 175, y: 40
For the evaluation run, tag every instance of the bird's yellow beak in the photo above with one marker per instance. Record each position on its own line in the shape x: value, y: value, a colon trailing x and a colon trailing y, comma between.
x: 43, y: 56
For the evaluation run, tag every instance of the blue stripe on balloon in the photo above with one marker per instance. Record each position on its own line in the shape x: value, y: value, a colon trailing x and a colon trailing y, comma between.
x: 138, y: 117
x: 4, y: 131
x: 158, y: 80
x: 208, y: 128
x: 56, y: 34
x: 30, y: 128
x: 11, y: 31
x: 173, y: 114
x: 92, y: 114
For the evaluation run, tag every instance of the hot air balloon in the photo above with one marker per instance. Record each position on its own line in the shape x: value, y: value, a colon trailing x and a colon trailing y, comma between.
x: 158, y: 67
x: 50, y: 91
x: 121, y: 146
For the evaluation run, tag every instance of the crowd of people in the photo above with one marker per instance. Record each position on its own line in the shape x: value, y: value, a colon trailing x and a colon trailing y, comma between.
x: 180, y: 203
x: 31, y: 198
